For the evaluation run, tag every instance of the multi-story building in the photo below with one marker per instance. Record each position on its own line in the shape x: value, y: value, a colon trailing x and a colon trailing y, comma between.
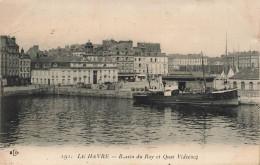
x: 242, y: 60
x: 177, y: 60
x: 24, y: 68
x: 123, y: 55
x: 120, y: 53
x: 72, y: 70
x: 9, y: 60
x: 153, y: 64
x: 148, y: 59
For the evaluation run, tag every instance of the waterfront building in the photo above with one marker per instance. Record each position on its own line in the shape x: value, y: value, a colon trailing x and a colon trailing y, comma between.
x: 242, y: 60
x: 177, y: 60
x: 132, y: 62
x: 123, y: 55
x: 247, y: 82
x: 153, y: 63
x: 148, y: 59
x: 40, y: 70
x: 24, y: 68
x: 72, y: 71
x: 9, y: 60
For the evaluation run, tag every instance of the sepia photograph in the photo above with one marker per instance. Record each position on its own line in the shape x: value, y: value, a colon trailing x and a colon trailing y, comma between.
x: 169, y: 82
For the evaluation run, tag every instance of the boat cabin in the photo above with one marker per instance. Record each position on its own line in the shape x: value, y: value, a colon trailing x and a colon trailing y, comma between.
x: 189, y: 82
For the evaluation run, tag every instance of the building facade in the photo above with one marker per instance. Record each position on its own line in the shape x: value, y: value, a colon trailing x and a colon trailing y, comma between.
x: 123, y: 55
x: 148, y: 60
x: 247, y: 82
x: 176, y: 61
x: 60, y: 71
x: 9, y: 60
x: 242, y: 60
x: 153, y: 64
x: 24, y: 68
x: 189, y: 81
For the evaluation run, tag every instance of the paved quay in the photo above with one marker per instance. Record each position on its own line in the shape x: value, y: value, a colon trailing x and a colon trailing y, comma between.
x: 21, y: 88
x: 24, y: 90
x: 66, y: 90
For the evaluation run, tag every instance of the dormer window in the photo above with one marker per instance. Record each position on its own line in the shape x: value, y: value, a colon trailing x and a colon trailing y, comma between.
x: 37, y: 65
x: 55, y: 65
x: 44, y: 66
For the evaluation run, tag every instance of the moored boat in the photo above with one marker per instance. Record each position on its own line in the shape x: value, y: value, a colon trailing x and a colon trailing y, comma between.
x: 220, y: 98
x: 172, y: 95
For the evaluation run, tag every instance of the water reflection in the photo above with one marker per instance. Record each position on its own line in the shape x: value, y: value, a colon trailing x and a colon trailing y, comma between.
x: 48, y: 120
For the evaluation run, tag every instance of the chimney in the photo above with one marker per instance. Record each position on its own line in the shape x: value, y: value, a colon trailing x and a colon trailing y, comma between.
x: 13, y: 39
x: 36, y: 46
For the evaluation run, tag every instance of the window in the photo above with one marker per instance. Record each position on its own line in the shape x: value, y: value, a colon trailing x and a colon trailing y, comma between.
x: 234, y: 84
x: 243, y: 85
x: 251, y: 86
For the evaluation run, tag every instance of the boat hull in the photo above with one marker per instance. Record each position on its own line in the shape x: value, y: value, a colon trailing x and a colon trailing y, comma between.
x: 229, y: 98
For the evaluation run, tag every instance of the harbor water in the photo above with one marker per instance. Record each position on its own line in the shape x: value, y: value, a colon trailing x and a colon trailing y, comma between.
x: 69, y: 120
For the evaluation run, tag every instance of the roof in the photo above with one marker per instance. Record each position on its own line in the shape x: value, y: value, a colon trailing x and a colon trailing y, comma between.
x: 188, y: 56
x: 42, y: 59
x: 186, y: 74
x: 66, y: 59
x: 122, y: 47
x: 247, y: 74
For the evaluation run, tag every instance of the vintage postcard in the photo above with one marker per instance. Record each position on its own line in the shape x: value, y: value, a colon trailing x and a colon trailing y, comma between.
x: 129, y: 82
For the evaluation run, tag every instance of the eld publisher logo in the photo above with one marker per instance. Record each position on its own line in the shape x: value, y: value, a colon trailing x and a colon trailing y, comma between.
x: 14, y: 153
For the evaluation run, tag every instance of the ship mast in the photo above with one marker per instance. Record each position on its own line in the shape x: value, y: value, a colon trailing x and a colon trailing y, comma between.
x: 203, y: 70
x: 148, y: 77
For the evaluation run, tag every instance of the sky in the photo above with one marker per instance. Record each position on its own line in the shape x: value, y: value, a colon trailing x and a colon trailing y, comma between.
x: 180, y: 26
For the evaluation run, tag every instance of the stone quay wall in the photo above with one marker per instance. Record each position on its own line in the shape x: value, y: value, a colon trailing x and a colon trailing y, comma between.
x: 69, y: 91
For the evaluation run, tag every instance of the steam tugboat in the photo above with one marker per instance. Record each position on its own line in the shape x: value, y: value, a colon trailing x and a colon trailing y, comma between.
x: 172, y: 95
x: 222, y: 97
